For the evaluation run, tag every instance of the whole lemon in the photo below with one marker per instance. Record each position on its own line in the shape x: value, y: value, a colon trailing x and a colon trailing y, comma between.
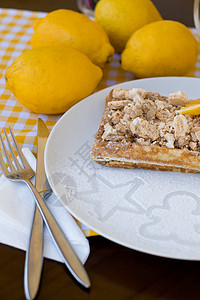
x: 51, y: 79
x: 163, y: 48
x: 121, y: 18
x: 72, y: 29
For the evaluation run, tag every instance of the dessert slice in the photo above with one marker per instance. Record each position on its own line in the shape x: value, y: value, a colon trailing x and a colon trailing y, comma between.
x: 141, y: 129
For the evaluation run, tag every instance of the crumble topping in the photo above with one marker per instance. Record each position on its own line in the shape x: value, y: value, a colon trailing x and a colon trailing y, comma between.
x: 180, y: 125
x: 178, y: 98
x: 148, y: 118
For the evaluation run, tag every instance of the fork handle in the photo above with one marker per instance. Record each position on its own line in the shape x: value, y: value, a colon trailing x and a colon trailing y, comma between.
x: 70, y: 258
x: 34, y: 257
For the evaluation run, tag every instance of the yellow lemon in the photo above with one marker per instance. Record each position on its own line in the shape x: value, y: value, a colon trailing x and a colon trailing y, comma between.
x: 192, y: 108
x: 51, y: 79
x: 163, y: 48
x: 72, y: 29
x: 121, y: 18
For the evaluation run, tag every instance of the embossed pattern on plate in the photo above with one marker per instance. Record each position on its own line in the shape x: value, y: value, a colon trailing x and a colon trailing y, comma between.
x: 154, y: 212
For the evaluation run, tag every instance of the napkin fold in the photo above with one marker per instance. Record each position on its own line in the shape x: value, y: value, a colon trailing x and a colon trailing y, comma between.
x: 16, y: 215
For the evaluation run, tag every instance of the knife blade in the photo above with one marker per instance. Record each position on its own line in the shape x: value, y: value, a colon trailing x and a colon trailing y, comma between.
x: 34, y: 254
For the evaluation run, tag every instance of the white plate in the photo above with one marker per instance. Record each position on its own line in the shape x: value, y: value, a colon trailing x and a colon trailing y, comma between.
x: 150, y: 211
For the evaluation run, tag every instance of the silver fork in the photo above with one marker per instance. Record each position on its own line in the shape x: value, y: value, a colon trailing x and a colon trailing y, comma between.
x: 23, y: 172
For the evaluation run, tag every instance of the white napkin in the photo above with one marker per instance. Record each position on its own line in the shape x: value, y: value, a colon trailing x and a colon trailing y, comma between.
x: 16, y: 215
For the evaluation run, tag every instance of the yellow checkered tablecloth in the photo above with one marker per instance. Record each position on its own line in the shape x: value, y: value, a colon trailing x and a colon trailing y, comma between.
x: 15, y: 34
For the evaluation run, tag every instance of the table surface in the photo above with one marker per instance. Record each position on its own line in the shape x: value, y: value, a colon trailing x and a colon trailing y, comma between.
x: 116, y: 272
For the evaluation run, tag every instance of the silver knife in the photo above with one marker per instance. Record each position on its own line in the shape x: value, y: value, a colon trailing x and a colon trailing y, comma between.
x: 34, y: 254
x: 71, y: 260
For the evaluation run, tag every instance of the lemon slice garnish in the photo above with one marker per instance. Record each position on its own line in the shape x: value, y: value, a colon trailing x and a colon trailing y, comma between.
x: 191, y: 108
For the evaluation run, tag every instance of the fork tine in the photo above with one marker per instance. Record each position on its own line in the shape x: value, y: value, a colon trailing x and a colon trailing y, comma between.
x: 16, y: 163
x: 6, y: 154
x: 3, y: 166
x: 19, y: 151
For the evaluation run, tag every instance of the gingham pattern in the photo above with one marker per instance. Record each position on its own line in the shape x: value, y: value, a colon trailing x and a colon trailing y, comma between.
x: 15, y: 34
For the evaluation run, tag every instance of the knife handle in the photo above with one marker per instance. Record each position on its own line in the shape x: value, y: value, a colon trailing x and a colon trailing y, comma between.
x: 34, y: 257
x: 71, y: 260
